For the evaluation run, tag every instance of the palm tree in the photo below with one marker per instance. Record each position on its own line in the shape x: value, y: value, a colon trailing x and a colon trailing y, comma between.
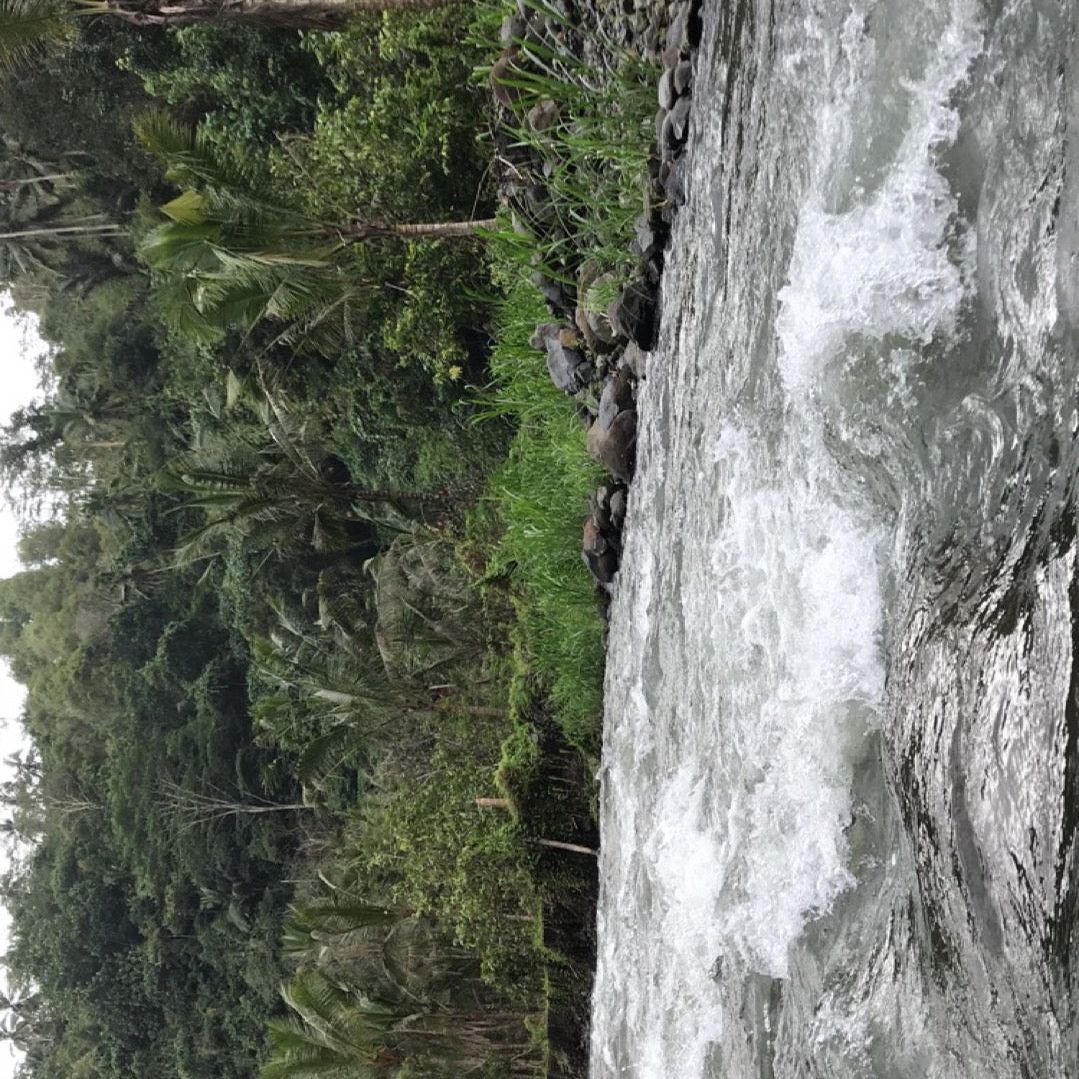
x: 269, y: 487
x: 336, y: 1034
x: 226, y: 256
x: 28, y: 26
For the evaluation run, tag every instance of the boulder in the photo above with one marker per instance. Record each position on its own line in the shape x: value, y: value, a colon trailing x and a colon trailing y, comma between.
x: 683, y: 76
x: 635, y: 359
x: 502, y: 76
x: 667, y: 95
x: 617, y: 396
x: 603, y: 567
x: 568, y: 368
x: 618, y: 507
x: 632, y: 315
x: 675, y: 126
x: 599, y: 556
x: 615, y: 447
x: 674, y: 184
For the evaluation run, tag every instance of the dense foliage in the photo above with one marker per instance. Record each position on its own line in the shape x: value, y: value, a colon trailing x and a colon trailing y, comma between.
x: 313, y: 666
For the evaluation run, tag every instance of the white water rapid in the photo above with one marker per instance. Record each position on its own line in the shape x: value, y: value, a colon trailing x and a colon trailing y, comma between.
x: 856, y: 461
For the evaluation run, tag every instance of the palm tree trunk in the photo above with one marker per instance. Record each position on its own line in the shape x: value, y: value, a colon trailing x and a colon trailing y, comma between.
x: 360, y: 231
x: 70, y: 230
x: 295, y: 14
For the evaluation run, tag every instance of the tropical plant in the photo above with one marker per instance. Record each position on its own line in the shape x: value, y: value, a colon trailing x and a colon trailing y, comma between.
x: 26, y: 26
x: 269, y: 487
x: 29, y: 26
x: 337, y: 1034
x: 227, y: 257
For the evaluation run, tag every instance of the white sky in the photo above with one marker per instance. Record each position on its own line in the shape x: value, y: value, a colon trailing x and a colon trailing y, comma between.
x: 19, y: 347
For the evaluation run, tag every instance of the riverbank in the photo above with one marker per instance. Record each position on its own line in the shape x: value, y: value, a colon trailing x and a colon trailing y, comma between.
x: 591, y: 177
x: 315, y: 667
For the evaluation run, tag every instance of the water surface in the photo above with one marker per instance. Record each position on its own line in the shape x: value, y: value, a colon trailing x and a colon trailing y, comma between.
x: 841, y: 763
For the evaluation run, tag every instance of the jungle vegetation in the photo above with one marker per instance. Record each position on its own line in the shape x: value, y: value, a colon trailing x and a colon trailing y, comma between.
x: 313, y: 665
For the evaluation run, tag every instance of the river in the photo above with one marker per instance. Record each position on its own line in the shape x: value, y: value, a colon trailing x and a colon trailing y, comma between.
x: 840, y: 774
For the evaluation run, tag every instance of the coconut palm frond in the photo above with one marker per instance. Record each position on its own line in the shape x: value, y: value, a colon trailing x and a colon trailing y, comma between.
x: 29, y: 26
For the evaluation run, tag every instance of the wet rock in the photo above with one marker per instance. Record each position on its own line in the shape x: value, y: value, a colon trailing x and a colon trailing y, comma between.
x: 615, y: 448
x: 675, y: 125
x: 633, y: 315
x: 682, y: 77
x: 568, y: 368
x: 667, y: 95
x: 618, y: 507
x: 617, y: 396
x: 635, y: 359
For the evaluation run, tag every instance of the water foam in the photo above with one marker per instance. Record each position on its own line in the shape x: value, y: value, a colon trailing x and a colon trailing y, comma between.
x: 884, y: 266
x: 746, y: 663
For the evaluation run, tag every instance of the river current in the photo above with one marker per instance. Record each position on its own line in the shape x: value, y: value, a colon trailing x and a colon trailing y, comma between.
x: 840, y: 776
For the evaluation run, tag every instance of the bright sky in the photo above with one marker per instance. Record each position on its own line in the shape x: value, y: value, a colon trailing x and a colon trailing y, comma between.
x: 19, y: 347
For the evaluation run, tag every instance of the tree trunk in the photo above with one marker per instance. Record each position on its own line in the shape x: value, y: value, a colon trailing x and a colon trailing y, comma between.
x: 70, y: 230
x: 360, y: 231
x: 291, y: 14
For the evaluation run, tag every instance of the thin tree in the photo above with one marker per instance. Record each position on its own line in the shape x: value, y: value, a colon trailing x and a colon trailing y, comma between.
x: 194, y: 808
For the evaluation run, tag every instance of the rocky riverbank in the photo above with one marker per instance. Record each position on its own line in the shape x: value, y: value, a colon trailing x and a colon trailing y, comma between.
x: 598, y: 352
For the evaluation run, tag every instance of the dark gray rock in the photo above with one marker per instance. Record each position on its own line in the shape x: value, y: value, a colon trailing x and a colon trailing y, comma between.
x: 599, y: 556
x: 644, y: 236
x: 568, y: 368
x: 616, y: 397
x: 674, y: 186
x: 635, y: 359
x: 616, y: 447
x: 675, y: 125
x: 602, y: 567
x: 593, y: 540
x: 543, y: 115
x: 682, y: 77
x: 503, y: 76
x: 558, y: 295
x: 618, y: 507
x: 601, y: 514
x: 633, y: 315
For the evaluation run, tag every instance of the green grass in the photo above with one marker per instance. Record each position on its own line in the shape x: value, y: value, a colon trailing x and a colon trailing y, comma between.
x: 540, y: 499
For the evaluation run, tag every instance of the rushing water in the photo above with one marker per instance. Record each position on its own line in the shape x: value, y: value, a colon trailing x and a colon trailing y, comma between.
x: 841, y: 767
